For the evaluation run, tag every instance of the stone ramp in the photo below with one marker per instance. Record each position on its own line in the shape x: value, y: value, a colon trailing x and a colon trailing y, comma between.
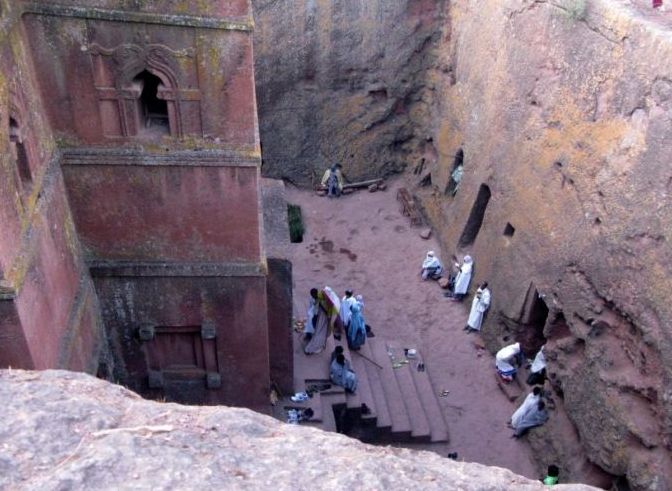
x: 402, y: 405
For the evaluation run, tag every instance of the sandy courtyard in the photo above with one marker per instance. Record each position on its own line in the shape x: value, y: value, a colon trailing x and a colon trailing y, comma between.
x: 361, y: 241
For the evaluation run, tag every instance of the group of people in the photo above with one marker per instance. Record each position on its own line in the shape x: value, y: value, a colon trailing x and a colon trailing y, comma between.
x: 458, y: 285
x: 327, y: 315
x: 507, y: 360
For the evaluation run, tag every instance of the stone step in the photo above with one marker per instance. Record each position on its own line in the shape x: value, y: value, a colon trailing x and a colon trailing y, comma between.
x: 364, y: 390
x: 401, y: 423
x: 430, y: 403
x: 379, y: 405
x: 512, y: 390
x: 314, y: 403
x: 328, y: 403
x: 420, y: 429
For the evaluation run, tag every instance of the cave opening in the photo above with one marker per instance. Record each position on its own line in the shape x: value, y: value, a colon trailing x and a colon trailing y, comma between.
x: 475, y: 220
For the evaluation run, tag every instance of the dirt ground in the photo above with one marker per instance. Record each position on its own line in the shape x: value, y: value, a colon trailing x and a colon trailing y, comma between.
x: 361, y: 241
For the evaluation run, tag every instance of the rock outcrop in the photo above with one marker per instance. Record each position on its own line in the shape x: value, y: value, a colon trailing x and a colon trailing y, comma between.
x: 64, y: 430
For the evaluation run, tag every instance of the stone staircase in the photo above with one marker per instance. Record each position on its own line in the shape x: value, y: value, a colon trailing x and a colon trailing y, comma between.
x: 402, y: 405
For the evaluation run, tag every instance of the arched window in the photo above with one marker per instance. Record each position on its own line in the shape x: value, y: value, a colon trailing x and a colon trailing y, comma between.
x: 152, y: 109
x: 18, y: 149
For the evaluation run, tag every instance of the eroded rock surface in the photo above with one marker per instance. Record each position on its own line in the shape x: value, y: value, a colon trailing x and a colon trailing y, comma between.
x: 561, y: 110
x: 64, y: 430
x: 344, y: 82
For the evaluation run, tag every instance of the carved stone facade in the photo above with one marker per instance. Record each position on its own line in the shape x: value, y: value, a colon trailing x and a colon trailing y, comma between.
x: 152, y: 272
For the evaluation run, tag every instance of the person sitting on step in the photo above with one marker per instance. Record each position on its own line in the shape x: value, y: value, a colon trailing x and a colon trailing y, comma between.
x: 342, y: 374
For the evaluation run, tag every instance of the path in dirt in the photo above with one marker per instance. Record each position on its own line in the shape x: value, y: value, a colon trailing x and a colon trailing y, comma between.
x: 361, y: 241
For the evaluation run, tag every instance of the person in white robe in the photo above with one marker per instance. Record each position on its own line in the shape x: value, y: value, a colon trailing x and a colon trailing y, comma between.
x: 346, y: 303
x: 537, y: 374
x: 535, y: 415
x: 342, y: 374
x: 431, y: 267
x: 531, y: 400
x: 505, y: 359
x: 463, y: 278
x: 479, y: 305
x: 311, y: 315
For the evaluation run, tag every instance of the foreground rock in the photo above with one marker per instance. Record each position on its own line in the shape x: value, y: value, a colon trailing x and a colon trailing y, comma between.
x: 64, y: 430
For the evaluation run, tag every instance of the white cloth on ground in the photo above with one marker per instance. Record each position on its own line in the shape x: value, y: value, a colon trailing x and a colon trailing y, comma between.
x: 539, y: 362
x: 530, y: 400
x: 505, y: 356
x: 479, y: 305
x: 463, y: 277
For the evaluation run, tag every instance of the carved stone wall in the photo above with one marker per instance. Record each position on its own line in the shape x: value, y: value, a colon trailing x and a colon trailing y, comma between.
x: 145, y: 116
x: 563, y: 112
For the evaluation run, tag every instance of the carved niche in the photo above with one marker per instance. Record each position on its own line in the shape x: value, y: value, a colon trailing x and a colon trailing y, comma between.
x: 118, y: 76
x: 21, y: 144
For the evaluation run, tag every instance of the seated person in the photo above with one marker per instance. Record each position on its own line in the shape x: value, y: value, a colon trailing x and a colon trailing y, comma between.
x: 431, y: 267
x: 552, y: 476
x: 338, y: 350
x: 505, y: 360
x: 332, y: 181
x: 341, y: 373
x: 535, y: 415
x: 531, y: 400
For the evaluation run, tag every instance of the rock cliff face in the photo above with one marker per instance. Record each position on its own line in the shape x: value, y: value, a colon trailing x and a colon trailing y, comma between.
x: 342, y: 81
x: 560, y: 112
x: 71, y: 431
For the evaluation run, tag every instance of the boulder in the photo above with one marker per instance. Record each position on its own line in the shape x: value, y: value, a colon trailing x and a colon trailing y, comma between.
x: 426, y: 233
x: 66, y: 430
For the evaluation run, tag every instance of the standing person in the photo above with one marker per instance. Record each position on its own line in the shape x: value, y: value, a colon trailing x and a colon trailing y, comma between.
x: 311, y: 315
x: 463, y: 278
x: 357, y: 328
x: 327, y: 312
x: 333, y: 181
x: 346, y: 302
x: 479, y: 305
x: 341, y: 374
x: 538, y: 369
x: 505, y: 359
x: 532, y: 399
x: 431, y: 267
